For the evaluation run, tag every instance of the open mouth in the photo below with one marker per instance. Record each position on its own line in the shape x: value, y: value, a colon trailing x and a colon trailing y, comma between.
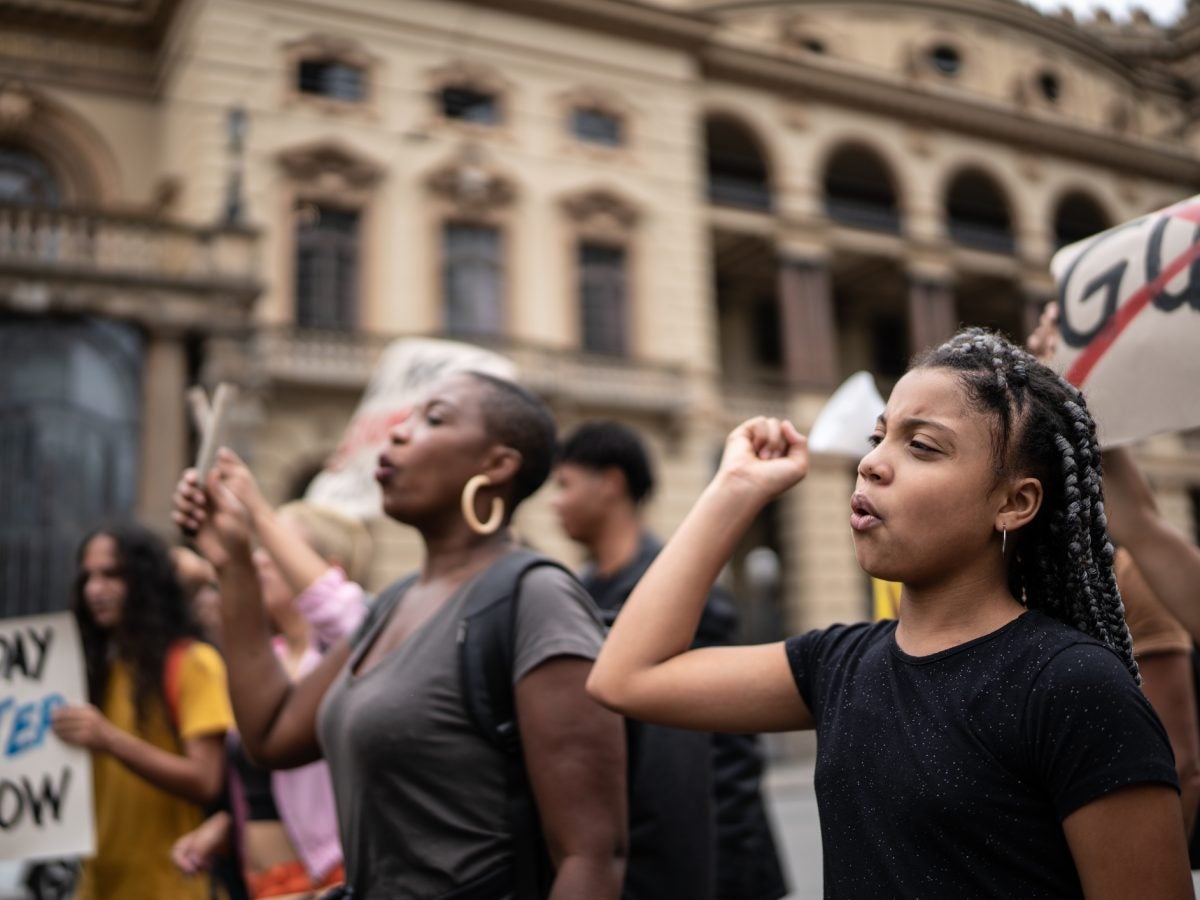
x: 384, y: 470
x: 863, y: 515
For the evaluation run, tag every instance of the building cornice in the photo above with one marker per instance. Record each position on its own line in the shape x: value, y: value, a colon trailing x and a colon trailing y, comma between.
x: 628, y: 19
x: 994, y: 12
x: 136, y: 21
x: 970, y: 115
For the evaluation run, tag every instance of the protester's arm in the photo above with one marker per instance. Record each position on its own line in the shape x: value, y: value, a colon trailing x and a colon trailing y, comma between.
x: 196, y: 850
x: 1168, y: 561
x: 575, y: 756
x: 197, y: 775
x: 333, y: 606
x: 1168, y: 683
x: 645, y: 669
x: 1130, y: 843
x: 299, y: 563
x: 276, y: 717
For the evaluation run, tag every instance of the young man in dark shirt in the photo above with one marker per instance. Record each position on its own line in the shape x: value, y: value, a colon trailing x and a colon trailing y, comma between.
x: 603, y: 478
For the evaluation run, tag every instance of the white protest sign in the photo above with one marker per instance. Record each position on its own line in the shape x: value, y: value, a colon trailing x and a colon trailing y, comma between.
x: 407, y: 368
x: 1129, y: 323
x: 45, y: 785
x: 848, y: 418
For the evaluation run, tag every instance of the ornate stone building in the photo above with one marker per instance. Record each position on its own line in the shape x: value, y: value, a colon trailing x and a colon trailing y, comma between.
x: 678, y: 213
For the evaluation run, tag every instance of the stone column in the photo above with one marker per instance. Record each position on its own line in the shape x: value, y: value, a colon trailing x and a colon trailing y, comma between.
x: 164, y: 435
x: 931, y: 314
x: 806, y: 318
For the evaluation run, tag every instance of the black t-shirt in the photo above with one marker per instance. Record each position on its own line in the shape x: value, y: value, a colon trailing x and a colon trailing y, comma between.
x: 949, y: 775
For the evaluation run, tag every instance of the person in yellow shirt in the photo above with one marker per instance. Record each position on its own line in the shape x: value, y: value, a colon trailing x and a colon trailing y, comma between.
x: 157, y: 719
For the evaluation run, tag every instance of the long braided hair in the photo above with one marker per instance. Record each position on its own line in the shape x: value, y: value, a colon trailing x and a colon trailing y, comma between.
x: 1062, y: 563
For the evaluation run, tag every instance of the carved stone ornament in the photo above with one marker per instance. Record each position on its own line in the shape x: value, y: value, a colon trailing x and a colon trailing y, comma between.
x: 16, y: 106
x: 599, y: 207
x: 329, y: 163
x: 471, y: 183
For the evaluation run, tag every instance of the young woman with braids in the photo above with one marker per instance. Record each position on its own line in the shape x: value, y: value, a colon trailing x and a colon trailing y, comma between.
x: 157, y: 719
x: 993, y: 741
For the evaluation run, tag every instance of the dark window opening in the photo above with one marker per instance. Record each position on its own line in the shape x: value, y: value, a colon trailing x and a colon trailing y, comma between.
x: 26, y: 179
x: 1050, y: 87
x: 889, y: 346
x: 596, y: 127
x: 766, y: 332
x: 333, y: 79
x: 977, y: 214
x: 465, y: 104
x: 859, y: 193
x: 1078, y: 217
x: 945, y: 59
x: 1194, y: 496
x: 326, y: 267
x: 737, y: 174
x: 603, y: 297
x: 473, y: 279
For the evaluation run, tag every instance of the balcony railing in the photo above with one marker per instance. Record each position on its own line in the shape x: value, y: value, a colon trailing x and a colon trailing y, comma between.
x: 738, y: 191
x: 346, y: 359
x: 980, y: 236
x: 856, y: 213
x: 72, y: 244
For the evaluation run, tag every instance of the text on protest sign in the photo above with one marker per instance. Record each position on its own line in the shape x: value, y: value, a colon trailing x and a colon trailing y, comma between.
x: 1129, y: 321
x: 45, y: 785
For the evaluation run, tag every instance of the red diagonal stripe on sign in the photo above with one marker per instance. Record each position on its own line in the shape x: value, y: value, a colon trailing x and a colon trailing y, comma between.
x: 1100, y: 344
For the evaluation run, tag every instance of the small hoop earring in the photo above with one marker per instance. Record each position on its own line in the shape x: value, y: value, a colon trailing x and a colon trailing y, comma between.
x: 1004, y: 542
x: 495, y: 520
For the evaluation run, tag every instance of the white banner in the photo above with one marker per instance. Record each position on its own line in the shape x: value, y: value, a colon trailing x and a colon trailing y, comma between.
x: 405, y: 371
x: 848, y: 418
x: 1129, y: 323
x: 45, y: 785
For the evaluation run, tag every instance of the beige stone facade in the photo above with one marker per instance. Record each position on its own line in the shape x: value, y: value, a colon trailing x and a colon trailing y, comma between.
x: 793, y: 191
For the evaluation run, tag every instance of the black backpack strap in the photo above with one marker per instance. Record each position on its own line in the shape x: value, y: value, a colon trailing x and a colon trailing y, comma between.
x: 381, y: 607
x: 487, y: 646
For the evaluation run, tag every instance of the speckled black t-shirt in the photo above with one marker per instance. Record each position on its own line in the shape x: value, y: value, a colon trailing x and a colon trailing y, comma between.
x: 949, y: 775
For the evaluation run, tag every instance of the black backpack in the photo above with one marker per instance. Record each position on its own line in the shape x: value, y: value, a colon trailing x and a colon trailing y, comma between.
x: 668, y: 770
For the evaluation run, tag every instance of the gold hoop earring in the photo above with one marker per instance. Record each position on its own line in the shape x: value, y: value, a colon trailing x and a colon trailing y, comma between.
x: 495, y: 520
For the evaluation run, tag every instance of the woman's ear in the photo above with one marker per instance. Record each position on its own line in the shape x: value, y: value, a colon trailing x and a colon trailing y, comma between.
x: 1022, y: 501
x: 503, y: 465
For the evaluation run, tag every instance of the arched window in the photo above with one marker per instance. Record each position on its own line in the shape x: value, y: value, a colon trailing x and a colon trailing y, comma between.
x: 859, y: 191
x: 1078, y: 216
x: 737, y: 172
x: 977, y: 213
x: 26, y: 179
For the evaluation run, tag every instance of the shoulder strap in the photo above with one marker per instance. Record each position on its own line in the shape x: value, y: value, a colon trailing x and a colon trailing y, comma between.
x: 381, y: 607
x: 172, y: 672
x: 487, y: 644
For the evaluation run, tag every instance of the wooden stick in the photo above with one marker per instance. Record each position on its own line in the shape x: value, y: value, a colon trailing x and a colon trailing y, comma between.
x: 213, y: 433
x: 198, y: 403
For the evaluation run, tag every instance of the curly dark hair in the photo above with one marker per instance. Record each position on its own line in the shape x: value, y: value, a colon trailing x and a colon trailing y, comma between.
x: 1062, y: 561
x: 155, y: 615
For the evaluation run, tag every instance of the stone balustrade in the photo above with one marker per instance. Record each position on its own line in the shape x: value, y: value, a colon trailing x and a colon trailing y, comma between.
x: 74, y: 244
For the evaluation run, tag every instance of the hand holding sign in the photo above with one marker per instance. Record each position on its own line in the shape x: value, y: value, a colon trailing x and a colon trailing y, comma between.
x: 82, y: 726
x: 218, y: 522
